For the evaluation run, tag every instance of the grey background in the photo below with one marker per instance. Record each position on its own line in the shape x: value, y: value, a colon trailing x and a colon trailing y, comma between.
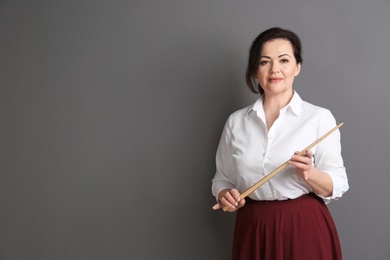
x: 111, y: 112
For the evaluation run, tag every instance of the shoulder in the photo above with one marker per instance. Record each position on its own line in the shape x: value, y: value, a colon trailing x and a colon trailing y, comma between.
x: 314, y: 111
x: 238, y: 116
x: 320, y: 117
x: 309, y: 107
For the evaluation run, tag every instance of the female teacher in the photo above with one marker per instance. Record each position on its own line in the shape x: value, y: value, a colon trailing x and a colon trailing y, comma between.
x: 287, y: 217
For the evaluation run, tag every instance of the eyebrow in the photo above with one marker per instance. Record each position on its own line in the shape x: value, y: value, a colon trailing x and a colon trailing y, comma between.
x: 281, y: 55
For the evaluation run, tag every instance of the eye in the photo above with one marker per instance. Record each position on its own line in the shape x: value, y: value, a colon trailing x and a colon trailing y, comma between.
x: 284, y: 61
x: 264, y: 62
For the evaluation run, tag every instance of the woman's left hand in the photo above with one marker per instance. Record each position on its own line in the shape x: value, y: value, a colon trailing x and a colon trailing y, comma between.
x: 303, y: 164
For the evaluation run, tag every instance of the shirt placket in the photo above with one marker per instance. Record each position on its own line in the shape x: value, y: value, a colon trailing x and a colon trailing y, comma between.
x: 266, y: 162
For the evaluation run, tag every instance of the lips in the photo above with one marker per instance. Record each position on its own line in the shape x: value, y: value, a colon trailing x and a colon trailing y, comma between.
x: 275, y: 80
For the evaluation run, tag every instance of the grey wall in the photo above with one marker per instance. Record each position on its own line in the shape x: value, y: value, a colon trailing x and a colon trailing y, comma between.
x: 111, y: 112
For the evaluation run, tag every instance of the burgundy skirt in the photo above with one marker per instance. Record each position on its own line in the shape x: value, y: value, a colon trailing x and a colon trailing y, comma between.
x: 298, y: 229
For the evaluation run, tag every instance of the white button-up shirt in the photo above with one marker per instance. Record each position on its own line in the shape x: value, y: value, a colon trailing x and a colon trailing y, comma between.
x: 248, y: 151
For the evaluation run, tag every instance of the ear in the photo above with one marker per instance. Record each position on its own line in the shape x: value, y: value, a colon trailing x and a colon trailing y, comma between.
x: 297, y: 69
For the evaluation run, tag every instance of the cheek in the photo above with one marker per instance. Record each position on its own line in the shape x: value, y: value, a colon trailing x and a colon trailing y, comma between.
x: 260, y: 74
x: 291, y: 72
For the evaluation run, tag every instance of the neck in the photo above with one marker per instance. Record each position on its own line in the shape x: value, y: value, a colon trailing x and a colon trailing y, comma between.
x: 272, y: 105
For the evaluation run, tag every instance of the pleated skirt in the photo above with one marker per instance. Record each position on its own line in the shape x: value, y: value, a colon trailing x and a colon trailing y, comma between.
x: 298, y: 229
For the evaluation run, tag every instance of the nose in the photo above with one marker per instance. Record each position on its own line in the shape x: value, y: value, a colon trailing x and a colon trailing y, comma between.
x: 274, y: 67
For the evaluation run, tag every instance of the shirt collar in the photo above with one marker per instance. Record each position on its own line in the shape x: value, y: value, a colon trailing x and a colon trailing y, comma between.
x: 295, y: 104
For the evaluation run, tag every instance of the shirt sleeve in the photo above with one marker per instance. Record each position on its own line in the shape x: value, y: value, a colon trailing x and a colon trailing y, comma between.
x: 223, y: 178
x: 328, y: 157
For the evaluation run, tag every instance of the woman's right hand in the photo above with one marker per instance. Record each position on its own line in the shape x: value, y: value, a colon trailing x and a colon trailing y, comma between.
x: 230, y: 198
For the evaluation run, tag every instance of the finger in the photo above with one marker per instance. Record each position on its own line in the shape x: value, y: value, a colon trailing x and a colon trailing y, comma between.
x: 309, y: 153
x: 217, y: 206
x: 225, y: 202
x: 236, y: 195
x: 229, y: 201
x: 241, y: 203
x: 301, y: 159
x: 302, y: 168
x: 231, y: 197
x: 233, y: 203
x: 299, y: 165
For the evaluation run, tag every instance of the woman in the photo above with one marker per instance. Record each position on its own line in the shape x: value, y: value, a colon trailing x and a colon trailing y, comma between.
x: 287, y: 217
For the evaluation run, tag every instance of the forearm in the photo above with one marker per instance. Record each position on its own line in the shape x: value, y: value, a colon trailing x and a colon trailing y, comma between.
x: 320, y: 182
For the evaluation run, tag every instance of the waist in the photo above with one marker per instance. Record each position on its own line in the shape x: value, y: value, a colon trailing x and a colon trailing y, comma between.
x: 303, y: 197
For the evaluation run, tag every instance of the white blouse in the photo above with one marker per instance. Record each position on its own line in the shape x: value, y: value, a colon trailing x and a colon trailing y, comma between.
x: 247, y: 151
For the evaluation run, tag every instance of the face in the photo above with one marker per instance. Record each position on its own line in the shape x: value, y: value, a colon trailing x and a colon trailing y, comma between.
x: 277, y: 67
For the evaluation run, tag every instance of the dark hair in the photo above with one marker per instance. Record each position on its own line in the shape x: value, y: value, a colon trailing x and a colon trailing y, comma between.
x: 256, y: 48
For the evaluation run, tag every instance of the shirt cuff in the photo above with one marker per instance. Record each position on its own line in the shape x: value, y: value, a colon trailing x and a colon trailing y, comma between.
x: 339, y: 188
